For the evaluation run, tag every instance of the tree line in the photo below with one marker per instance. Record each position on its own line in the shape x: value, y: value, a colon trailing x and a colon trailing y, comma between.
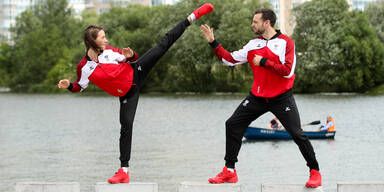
x: 337, y: 50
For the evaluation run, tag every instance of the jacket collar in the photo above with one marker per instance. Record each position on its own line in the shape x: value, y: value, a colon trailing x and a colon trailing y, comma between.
x: 278, y: 33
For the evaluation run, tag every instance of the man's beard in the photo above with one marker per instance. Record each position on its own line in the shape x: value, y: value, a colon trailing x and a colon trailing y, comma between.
x: 260, y: 31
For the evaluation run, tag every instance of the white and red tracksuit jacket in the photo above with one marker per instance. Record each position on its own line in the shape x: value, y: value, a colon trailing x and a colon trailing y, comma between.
x: 275, y: 75
x: 111, y: 74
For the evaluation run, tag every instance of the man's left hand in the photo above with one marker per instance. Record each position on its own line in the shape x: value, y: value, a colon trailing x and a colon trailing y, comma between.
x: 257, y: 59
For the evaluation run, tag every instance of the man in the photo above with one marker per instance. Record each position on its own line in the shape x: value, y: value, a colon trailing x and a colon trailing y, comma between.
x: 274, y: 124
x: 272, y: 59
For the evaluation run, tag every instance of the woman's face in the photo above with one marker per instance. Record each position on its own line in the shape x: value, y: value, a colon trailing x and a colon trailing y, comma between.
x: 101, y: 41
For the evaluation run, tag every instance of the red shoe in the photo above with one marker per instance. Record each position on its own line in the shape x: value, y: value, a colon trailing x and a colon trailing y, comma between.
x: 225, y: 176
x: 119, y: 177
x: 314, y: 180
x: 204, y: 9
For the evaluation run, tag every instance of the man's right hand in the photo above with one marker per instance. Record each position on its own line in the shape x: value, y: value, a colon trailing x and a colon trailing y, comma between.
x: 208, y: 33
x: 63, y: 83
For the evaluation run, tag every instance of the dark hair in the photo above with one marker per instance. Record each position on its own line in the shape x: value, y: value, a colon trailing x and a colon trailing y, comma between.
x: 267, y: 14
x: 90, y: 35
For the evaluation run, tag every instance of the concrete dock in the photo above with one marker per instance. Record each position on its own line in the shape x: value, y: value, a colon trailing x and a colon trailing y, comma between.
x: 188, y: 186
x: 47, y: 187
x: 360, y: 187
x: 288, y: 188
x: 126, y: 187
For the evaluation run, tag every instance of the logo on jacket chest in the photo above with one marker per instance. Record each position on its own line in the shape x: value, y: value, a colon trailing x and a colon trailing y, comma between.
x: 258, y: 44
x: 276, y: 46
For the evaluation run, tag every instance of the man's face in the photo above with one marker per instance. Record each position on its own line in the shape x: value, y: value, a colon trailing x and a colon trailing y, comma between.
x: 258, y: 24
x: 101, y: 41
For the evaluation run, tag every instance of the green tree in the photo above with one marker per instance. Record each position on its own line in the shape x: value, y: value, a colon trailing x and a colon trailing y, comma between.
x: 56, y: 12
x: 43, y: 35
x: 361, y: 65
x: 128, y: 27
x: 89, y: 17
x: 375, y: 12
x: 35, y: 54
x: 337, y: 49
x: 5, y: 64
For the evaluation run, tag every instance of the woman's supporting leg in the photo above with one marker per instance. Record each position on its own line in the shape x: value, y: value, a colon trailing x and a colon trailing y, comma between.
x: 128, y: 105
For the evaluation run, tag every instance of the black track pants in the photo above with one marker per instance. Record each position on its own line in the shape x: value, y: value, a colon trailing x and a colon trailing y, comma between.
x: 142, y: 67
x: 252, y: 107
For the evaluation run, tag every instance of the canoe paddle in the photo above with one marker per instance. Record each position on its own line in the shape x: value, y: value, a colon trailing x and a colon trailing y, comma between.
x: 311, y: 123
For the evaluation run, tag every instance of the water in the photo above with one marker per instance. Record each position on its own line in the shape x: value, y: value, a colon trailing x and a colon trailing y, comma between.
x: 177, y: 138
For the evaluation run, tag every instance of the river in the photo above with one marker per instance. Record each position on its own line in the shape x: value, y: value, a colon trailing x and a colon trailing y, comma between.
x: 176, y: 138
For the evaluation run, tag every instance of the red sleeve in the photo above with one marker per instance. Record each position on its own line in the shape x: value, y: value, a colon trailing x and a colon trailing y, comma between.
x: 75, y: 87
x: 134, y: 58
x: 221, y: 53
x: 287, y: 68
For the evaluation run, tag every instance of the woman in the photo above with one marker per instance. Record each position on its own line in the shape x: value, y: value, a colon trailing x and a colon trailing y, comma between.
x: 108, y: 69
x: 329, y: 126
